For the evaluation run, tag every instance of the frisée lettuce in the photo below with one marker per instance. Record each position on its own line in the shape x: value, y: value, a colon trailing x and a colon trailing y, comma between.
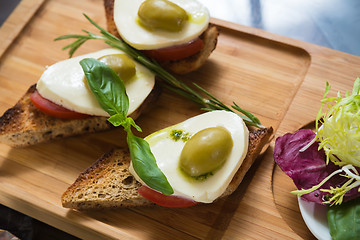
x: 338, y: 136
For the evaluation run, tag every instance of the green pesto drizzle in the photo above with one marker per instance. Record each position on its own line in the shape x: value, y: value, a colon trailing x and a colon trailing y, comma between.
x: 197, y: 178
x: 177, y: 135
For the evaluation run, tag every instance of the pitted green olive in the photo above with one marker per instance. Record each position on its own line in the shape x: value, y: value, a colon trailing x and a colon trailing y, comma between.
x: 162, y: 14
x: 121, y: 64
x: 206, y: 151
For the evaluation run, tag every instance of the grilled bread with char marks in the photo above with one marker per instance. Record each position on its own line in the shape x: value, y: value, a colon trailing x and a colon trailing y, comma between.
x: 182, y: 66
x: 109, y: 184
x: 25, y: 125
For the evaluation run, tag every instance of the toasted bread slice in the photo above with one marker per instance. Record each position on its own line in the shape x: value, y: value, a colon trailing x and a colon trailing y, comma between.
x: 24, y: 124
x: 181, y: 66
x: 108, y: 182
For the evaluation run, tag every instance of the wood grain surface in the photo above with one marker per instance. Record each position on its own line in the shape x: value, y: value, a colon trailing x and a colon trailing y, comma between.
x: 21, y: 15
x: 280, y: 80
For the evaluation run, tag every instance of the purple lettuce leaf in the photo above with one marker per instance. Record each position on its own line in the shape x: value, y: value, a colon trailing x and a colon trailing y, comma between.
x: 307, y: 168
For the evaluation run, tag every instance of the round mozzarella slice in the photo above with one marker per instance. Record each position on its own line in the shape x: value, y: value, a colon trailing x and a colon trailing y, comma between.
x: 167, y: 151
x: 126, y: 20
x: 64, y: 83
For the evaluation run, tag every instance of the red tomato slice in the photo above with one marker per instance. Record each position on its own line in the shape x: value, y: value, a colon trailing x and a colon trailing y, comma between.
x: 53, y: 109
x: 176, y: 52
x: 164, y: 200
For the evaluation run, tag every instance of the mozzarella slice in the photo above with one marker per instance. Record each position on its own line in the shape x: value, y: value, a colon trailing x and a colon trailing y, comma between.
x: 64, y: 83
x: 125, y: 17
x: 167, y: 153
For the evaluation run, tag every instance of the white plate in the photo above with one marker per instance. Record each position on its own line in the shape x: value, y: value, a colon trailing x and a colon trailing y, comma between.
x: 315, y: 219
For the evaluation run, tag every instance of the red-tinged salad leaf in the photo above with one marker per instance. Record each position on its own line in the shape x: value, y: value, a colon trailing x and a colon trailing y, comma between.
x: 308, y: 168
x: 338, y: 137
x: 344, y: 220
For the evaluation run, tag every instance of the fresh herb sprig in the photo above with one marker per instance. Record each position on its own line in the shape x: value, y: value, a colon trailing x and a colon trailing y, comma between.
x: 169, y: 81
x: 110, y: 92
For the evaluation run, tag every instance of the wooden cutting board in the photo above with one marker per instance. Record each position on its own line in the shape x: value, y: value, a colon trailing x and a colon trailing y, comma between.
x: 280, y: 80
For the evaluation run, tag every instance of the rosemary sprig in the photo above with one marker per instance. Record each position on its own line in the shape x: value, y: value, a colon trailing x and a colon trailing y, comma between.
x: 168, y: 80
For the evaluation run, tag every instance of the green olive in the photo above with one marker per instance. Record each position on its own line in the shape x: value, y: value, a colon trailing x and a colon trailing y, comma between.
x: 162, y: 14
x: 206, y: 151
x: 121, y: 64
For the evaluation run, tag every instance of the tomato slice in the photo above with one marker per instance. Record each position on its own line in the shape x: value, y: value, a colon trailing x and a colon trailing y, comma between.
x: 53, y: 109
x: 164, y: 200
x: 176, y: 52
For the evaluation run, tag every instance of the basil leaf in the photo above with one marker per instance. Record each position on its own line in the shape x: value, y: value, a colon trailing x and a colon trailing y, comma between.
x: 110, y: 92
x: 117, y: 120
x: 131, y: 122
x: 144, y: 164
x: 344, y: 220
x: 107, y: 87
